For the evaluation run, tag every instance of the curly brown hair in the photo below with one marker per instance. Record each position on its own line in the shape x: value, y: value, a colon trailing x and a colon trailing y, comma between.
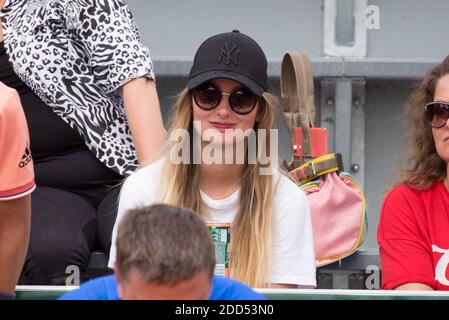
x: 425, y: 165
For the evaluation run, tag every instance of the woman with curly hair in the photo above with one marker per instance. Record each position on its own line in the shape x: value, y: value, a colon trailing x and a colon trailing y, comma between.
x: 413, y: 232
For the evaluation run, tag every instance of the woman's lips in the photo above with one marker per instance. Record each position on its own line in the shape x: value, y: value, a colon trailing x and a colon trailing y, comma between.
x: 222, y: 125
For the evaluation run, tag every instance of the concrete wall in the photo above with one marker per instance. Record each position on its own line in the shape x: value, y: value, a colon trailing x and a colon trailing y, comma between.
x: 171, y: 28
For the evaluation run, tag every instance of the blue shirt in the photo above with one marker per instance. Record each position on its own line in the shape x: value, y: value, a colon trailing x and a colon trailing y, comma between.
x: 105, y: 288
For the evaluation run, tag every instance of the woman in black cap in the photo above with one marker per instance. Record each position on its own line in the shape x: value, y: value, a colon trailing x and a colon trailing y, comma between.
x: 85, y: 82
x: 225, y: 107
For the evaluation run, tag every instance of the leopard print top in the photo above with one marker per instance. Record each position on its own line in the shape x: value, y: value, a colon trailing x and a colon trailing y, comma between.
x: 75, y: 55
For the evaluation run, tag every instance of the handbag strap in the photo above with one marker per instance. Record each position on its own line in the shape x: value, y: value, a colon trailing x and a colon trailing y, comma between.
x: 317, y: 167
x: 297, y: 94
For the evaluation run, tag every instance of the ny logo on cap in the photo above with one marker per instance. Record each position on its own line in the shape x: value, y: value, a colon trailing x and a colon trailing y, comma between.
x: 230, y: 53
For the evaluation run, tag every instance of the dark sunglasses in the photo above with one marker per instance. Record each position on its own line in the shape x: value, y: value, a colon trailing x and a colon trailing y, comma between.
x: 208, y: 96
x: 437, y: 113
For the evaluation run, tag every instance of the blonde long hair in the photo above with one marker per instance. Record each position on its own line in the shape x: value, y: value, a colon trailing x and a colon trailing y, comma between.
x: 251, y: 230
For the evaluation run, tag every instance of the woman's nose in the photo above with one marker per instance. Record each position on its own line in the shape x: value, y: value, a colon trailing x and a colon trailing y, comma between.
x: 223, y: 108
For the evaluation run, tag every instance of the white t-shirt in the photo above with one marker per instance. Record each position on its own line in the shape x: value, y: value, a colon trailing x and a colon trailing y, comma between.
x: 293, y: 257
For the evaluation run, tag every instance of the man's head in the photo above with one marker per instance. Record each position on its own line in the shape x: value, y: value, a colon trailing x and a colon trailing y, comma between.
x: 164, y: 252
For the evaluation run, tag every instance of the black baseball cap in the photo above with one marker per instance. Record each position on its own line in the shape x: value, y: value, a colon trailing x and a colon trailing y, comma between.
x: 231, y: 55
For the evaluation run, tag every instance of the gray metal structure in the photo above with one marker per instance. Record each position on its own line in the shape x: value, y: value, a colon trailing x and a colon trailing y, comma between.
x: 363, y: 72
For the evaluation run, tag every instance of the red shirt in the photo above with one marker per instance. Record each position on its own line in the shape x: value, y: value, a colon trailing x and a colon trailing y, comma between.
x: 413, y: 237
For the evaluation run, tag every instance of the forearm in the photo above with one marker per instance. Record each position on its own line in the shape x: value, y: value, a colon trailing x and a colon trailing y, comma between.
x: 15, y: 216
x: 413, y: 286
x: 144, y: 118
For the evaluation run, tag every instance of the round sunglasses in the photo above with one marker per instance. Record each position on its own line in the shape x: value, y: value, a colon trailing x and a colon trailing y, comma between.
x: 437, y: 113
x: 208, y: 96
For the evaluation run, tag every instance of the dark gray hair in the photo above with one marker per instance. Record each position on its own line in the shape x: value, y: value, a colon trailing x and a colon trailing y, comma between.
x: 165, y: 244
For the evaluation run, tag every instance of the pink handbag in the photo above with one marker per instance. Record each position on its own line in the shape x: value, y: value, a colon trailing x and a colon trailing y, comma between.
x: 337, y: 203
